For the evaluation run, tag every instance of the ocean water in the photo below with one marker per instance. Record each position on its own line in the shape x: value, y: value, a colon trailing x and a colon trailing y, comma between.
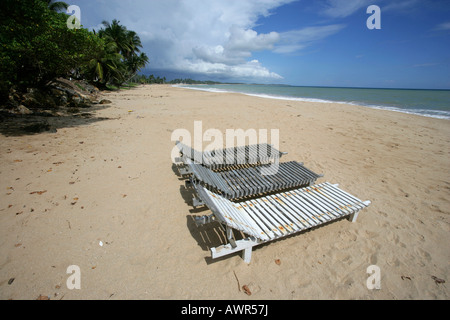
x: 428, y: 103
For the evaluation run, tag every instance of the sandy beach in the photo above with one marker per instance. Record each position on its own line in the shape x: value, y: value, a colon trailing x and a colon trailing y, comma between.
x: 103, y: 194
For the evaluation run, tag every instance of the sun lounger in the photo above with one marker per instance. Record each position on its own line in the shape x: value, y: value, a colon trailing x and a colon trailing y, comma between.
x: 223, y: 158
x: 276, y: 216
x: 245, y: 182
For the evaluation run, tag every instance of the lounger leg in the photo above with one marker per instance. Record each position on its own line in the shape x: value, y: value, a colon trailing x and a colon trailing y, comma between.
x: 353, y: 216
x: 247, y: 255
x: 230, y: 237
x: 244, y: 245
x: 196, y: 202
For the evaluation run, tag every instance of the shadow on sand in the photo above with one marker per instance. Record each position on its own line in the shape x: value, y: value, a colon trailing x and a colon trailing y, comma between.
x: 13, y: 125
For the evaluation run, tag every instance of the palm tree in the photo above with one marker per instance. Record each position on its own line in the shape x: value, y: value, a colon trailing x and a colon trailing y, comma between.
x: 117, y: 33
x: 105, y: 67
x: 134, y: 43
x: 127, y: 41
x: 127, y: 44
x: 135, y: 63
x: 56, y: 5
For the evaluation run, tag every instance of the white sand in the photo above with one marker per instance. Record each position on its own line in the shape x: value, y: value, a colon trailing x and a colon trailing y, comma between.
x: 113, y: 181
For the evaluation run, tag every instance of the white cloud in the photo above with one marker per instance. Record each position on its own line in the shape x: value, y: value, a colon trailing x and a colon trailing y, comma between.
x: 297, y: 40
x: 443, y: 26
x: 400, y: 6
x: 209, y: 37
x: 238, y: 47
x: 242, y: 40
x: 425, y: 65
x: 344, y: 8
x: 245, y: 71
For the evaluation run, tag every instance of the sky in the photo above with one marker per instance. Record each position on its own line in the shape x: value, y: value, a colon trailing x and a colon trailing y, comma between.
x: 294, y: 42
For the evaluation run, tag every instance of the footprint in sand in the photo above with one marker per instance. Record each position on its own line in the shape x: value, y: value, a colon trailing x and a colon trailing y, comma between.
x: 422, y: 255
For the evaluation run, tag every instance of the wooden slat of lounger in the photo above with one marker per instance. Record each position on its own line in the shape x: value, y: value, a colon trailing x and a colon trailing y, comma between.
x: 211, y: 158
x: 209, y: 177
x: 254, y: 179
x: 235, y: 191
x: 242, y: 181
x: 289, y: 179
x: 263, y: 184
x: 262, y: 216
x: 202, y: 174
x: 305, y: 171
x: 259, y: 186
x: 271, y: 182
x: 276, y: 223
x: 285, y: 178
x: 341, y: 206
x: 260, y: 220
x: 295, y: 206
x: 348, y: 197
x: 215, y: 203
x: 294, y: 174
x: 253, y: 154
x: 297, y: 172
x: 326, y: 202
x: 320, y: 208
x: 242, y: 156
x: 307, y: 207
x: 248, y: 185
x: 236, y: 180
x: 230, y: 178
x: 283, y: 222
x: 339, y: 202
x: 284, y: 213
x: 251, y: 180
x: 236, y: 218
x: 297, y: 215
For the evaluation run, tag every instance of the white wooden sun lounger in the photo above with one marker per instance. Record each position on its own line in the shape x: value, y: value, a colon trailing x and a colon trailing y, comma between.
x: 276, y: 216
x: 251, y: 181
x: 223, y: 158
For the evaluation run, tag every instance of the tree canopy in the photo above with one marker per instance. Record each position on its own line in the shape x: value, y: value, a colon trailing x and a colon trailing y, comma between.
x: 37, y: 46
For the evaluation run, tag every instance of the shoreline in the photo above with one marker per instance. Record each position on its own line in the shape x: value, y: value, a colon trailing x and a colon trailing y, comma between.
x: 318, y: 100
x: 105, y: 196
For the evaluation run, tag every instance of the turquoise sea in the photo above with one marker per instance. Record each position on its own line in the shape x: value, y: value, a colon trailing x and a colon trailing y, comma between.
x: 429, y: 103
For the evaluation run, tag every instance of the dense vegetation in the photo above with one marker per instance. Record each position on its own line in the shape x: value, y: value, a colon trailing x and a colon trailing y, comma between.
x: 152, y: 79
x: 36, y: 46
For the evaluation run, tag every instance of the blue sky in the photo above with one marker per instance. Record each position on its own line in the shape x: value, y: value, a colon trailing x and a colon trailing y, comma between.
x: 296, y: 42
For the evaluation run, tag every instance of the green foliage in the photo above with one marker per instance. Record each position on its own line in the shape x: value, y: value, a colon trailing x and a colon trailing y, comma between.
x: 36, y: 46
x: 127, y: 45
x: 105, y: 66
x: 191, y: 81
x: 148, y: 80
